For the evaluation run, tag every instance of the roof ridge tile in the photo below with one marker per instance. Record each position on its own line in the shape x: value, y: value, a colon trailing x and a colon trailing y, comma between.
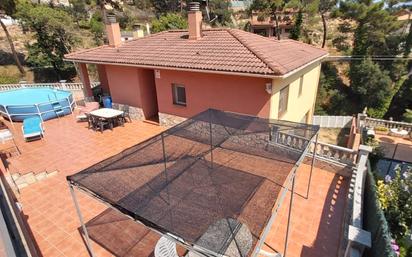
x: 253, y: 51
x: 277, y: 68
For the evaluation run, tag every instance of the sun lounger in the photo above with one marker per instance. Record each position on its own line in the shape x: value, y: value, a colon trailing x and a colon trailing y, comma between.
x: 32, y: 128
x: 89, y: 106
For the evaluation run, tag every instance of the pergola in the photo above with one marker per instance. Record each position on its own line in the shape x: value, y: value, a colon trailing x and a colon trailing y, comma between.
x: 214, y: 183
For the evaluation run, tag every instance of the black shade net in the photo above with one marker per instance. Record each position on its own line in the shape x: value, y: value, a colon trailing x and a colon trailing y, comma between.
x: 211, y: 181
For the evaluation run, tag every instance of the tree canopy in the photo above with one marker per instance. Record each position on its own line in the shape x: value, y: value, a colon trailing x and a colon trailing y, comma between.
x: 53, y: 30
x: 169, y: 21
x: 373, y: 83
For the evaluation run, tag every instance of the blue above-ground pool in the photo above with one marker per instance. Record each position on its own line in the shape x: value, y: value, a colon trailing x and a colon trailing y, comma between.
x: 48, y: 103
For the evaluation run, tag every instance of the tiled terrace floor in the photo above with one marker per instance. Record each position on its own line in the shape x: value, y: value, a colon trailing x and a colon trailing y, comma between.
x: 316, y: 223
x: 396, y: 148
x: 70, y: 147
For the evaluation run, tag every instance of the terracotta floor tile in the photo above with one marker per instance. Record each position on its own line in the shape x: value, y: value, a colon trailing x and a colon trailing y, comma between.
x: 69, y: 147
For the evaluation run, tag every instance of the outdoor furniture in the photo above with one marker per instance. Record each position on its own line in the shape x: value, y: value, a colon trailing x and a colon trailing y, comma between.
x: 126, y: 113
x: 3, y: 126
x: 370, y: 133
x: 83, y: 110
x: 32, y: 128
x: 165, y: 248
x: 91, y: 123
x: 398, y: 132
x: 227, y: 234
x: 107, y: 117
x: 6, y: 135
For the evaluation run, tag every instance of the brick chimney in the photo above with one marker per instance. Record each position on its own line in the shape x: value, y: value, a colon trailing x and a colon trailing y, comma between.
x: 113, y: 31
x: 195, y: 21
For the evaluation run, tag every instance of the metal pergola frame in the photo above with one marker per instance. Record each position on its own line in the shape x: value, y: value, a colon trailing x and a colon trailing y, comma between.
x: 201, y: 251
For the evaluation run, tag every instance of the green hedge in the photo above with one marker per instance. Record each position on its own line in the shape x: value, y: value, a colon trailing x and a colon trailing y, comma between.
x: 375, y: 222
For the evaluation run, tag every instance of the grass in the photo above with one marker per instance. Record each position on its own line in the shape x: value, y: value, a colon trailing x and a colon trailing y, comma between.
x: 335, y: 136
x: 9, y: 74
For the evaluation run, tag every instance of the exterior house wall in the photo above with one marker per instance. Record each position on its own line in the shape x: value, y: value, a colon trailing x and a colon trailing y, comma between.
x: 148, y: 96
x: 203, y: 90
x: 298, y: 106
x: 104, y: 83
x: 124, y: 88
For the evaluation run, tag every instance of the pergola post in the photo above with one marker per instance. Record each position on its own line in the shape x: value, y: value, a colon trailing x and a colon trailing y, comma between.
x: 164, y: 151
x: 79, y: 214
x: 312, y: 165
x: 84, y: 77
x: 104, y: 82
x: 289, y: 215
x: 210, y: 138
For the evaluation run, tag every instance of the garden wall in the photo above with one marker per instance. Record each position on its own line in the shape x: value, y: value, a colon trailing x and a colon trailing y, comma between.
x: 332, y: 121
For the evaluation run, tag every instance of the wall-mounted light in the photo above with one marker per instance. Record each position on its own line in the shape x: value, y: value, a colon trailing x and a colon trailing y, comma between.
x: 157, y: 74
x: 269, y: 88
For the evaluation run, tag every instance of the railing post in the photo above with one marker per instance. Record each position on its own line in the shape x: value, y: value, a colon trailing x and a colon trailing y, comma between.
x: 38, y: 111
x: 361, y: 120
x: 313, y: 163
x: 63, y: 84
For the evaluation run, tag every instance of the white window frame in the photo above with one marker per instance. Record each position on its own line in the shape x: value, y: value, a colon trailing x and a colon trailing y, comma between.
x: 280, y: 111
x: 176, y: 95
x: 301, y: 85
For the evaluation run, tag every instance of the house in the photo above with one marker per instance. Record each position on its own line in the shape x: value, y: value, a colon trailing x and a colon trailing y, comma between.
x: 239, y: 5
x: 176, y: 74
x: 266, y: 26
x: 403, y: 15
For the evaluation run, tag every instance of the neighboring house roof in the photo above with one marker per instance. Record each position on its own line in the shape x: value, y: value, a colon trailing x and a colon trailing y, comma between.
x: 224, y: 50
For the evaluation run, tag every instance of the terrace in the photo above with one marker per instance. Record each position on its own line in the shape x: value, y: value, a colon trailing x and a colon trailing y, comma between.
x: 68, y: 147
x: 39, y: 171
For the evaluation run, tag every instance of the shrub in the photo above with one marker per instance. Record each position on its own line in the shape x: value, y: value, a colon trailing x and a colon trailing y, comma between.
x: 377, y: 151
x: 395, y: 198
x: 381, y: 129
x: 168, y: 22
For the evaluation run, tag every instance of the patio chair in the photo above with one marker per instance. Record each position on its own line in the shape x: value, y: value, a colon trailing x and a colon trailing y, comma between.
x: 102, y: 123
x: 91, y: 124
x: 89, y: 107
x: 165, y: 248
x: 32, y: 128
x: 126, y: 113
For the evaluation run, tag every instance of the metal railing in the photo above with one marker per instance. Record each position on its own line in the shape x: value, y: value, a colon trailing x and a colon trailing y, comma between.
x: 326, y: 152
x: 61, y: 86
x: 371, y: 122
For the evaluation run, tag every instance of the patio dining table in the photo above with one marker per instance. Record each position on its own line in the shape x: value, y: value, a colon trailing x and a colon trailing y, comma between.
x: 109, y: 115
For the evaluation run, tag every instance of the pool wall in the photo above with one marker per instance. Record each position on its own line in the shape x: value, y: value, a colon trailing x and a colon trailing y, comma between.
x: 47, y: 110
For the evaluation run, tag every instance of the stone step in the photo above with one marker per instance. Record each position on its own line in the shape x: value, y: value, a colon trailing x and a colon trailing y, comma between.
x: 29, y: 178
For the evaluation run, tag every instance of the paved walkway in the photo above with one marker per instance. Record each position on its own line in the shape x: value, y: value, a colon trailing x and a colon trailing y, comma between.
x: 396, y: 148
x: 70, y: 147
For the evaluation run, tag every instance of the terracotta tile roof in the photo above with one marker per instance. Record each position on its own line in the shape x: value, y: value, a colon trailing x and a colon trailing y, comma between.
x: 227, y: 50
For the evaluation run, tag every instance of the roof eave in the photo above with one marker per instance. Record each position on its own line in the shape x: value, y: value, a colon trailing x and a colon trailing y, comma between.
x: 235, y: 73
x: 290, y: 73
